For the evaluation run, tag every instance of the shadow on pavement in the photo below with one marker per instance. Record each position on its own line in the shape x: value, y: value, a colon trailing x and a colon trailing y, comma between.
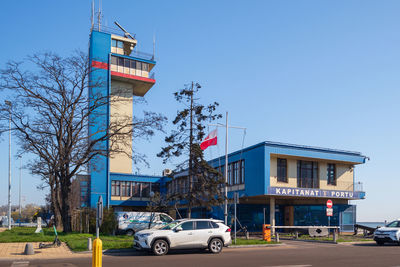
x: 133, y: 252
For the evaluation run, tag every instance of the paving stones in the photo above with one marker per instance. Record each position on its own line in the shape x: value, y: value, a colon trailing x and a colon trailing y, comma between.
x: 16, y: 251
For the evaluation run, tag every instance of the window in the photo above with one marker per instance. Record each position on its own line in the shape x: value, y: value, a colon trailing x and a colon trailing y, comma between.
x: 155, y: 187
x: 138, y: 68
x: 236, y: 172
x: 165, y: 219
x: 229, y: 174
x: 120, y: 44
x: 135, y: 189
x: 187, y: 226
x: 115, y: 188
x: 145, y: 189
x: 242, y: 172
x: 114, y: 43
x: 307, y: 174
x: 331, y: 173
x: 282, y: 170
x: 145, y: 66
x: 123, y: 189
x: 127, y: 63
x: 133, y: 64
x: 126, y: 189
x: 121, y: 61
x: 214, y: 225
x: 202, y: 225
x: 394, y: 224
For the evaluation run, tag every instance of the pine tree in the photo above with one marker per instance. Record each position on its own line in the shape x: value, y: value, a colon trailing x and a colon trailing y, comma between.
x: 204, y: 181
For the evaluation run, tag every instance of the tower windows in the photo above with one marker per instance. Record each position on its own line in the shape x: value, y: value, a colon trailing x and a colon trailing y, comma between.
x: 129, y: 66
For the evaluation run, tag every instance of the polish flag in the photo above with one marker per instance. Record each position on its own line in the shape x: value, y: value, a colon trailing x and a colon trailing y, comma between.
x: 210, y: 140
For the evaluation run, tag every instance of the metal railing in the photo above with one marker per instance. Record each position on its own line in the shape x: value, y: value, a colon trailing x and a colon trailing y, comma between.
x: 135, y: 53
x: 335, y: 185
x: 142, y: 55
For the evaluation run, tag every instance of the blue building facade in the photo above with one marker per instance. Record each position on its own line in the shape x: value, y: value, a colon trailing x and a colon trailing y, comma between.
x: 286, y: 185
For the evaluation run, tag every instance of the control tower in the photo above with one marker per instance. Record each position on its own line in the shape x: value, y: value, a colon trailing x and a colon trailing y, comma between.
x: 118, y: 73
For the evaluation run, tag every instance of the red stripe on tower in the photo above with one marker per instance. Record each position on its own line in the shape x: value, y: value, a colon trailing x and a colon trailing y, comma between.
x: 210, y: 140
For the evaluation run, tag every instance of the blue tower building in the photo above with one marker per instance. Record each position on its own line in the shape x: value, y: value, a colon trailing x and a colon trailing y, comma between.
x: 118, y: 73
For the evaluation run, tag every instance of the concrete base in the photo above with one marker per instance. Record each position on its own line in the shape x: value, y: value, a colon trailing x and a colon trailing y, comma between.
x: 29, y: 249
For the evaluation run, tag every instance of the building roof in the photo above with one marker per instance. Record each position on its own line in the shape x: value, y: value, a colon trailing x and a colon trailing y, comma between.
x: 308, y: 151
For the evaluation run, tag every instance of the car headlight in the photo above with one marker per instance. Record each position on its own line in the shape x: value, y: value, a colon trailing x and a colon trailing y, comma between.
x: 144, y: 235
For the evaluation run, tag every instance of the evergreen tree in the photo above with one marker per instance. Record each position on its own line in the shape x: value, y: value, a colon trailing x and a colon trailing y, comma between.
x: 204, y: 181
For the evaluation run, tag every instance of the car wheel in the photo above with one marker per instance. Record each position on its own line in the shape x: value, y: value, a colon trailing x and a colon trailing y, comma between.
x: 130, y: 232
x: 380, y: 243
x: 160, y: 247
x: 215, y: 245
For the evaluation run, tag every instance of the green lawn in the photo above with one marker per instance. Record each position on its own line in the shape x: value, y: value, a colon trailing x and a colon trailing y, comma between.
x: 340, y: 238
x: 241, y: 242
x: 76, y: 241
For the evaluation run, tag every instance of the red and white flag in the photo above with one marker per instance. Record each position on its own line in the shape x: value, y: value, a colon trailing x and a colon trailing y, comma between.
x: 210, y: 140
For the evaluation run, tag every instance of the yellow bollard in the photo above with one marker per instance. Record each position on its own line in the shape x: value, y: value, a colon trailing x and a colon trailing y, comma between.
x: 97, y: 253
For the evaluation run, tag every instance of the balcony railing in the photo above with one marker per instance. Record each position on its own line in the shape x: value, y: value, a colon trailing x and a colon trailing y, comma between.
x: 135, y: 53
x: 337, y: 185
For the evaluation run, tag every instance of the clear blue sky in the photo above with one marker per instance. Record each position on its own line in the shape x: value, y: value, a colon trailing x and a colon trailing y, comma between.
x: 322, y: 73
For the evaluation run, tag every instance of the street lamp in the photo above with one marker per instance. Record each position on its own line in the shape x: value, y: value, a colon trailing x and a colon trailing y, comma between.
x: 20, y: 170
x: 8, y: 103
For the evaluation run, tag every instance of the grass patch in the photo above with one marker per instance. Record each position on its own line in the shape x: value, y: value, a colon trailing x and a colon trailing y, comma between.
x: 340, y: 238
x: 244, y: 242
x: 76, y: 241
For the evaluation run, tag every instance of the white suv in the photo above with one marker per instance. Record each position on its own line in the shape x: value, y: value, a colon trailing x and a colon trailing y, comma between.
x: 185, y: 234
x: 390, y: 233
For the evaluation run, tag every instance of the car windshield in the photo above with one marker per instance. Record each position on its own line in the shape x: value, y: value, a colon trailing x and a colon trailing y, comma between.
x: 394, y: 224
x: 170, y: 225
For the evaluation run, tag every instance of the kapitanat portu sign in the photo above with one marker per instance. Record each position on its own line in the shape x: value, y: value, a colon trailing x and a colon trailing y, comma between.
x: 312, y: 192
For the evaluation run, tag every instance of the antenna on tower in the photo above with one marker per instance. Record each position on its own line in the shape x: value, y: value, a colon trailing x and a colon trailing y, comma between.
x: 99, y: 16
x: 92, y: 17
x: 127, y: 34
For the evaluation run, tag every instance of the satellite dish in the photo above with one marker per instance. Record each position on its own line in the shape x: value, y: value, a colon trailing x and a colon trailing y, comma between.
x: 127, y: 34
x: 151, y: 194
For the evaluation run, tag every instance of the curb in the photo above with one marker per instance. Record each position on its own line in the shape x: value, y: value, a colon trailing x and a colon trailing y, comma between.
x: 312, y: 241
x: 257, y: 246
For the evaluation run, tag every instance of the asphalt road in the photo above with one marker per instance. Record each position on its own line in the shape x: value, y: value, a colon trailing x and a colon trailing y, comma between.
x: 293, y: 253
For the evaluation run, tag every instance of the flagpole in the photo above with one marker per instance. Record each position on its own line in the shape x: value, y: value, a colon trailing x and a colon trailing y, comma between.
x: 226, y: 172
x: 226, y: 163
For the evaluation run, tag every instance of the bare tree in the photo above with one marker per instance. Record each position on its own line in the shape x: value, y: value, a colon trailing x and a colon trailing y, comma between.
x: 51, y: 113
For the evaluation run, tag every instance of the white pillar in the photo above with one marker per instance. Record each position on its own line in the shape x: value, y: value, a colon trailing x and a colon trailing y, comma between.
x: 272, y: 214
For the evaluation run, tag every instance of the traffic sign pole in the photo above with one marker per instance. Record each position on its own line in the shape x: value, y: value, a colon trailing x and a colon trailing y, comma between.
x: 97, y: 243
x: 329, y: 211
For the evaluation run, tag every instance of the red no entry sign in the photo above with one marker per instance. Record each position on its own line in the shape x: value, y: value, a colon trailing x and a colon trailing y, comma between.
x: 329, y: 203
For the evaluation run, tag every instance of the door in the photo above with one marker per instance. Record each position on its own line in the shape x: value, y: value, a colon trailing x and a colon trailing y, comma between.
x: 202, y: 233
x: 183, y: 238
x: 289, y: 215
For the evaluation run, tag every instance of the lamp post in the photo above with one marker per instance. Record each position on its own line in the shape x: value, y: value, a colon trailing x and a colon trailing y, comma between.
x: 8, y: 103
x: 20, y: 170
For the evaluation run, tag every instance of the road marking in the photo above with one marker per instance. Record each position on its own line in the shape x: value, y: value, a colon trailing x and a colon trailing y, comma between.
x: 20, y: 264
x: 289, y: 266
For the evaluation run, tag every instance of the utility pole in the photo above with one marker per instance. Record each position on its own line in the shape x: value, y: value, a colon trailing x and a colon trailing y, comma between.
x: 190, y: 155
x: 8, y: 103
x: 226, y: 172
x: 226, y: 163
